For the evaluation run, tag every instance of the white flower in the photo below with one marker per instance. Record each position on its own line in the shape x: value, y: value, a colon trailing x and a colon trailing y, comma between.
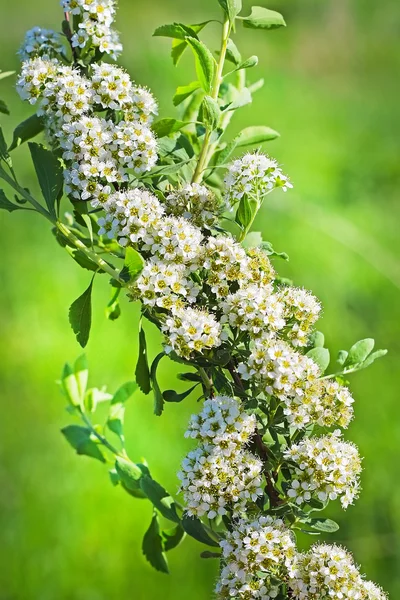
x: 45, y: 43
x: 301, y: 311
x: 222, y: 422
x: 325, y: 572
x: 226, y: 262
x: 256, y: 553
x: 174, y: 239
x: 327, y: 468
x: 213, y: 483
x: 253, y: 175
x: 370, y: 591
x: 190, y: 330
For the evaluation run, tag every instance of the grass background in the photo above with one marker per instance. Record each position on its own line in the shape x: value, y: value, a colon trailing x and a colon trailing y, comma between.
x: 332, y: 90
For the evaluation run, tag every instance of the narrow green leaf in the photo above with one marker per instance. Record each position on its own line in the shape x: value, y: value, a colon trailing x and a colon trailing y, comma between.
x: 195, y: 528
x: 372, y: 357
x: 179, y: 46
x: 244, y: 213
x: 80, y: 439
x: 177, y: 31
x: 173, y: 537
x: 205, y: 63
x: 142, y: 371
x: 256, y: 135
x: 49, y: 173
x: 4, y: 74
x: 248, y: 64
x: 321, y: 524
x: 167, y: 169
x: 263, y: 18
x: 5, y: 204
x: 158, y: 397
x: 69, y: 384
x: 4, y: 108
x: 82, y: 260
x: 130, y: 475
x: 268, y: 249
x: 134, y: 262
x: 113, y: 310
x: 81, y: 372
x: 184, y: 92
x: 80, y: 315
x: 124, y: 392
x: 172, y: 396
x: 320, y: 356
x: 360, y: 351
x: 4, y: 155
x: 242, y: 99
x: 115, y: 421
x: 232, y: 8
x: 211, y: 112
x: 232, y: 53
x: 152, y: 546
x: 165, y: 127
x: 160, y: 498
x: 26, y: 131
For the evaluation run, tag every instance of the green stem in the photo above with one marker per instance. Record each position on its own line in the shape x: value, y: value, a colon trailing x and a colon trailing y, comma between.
x: 202, y: 161
x: 345, y: 372
x: 101, y: 438
x: 102, y: 264
x: 25, y: 194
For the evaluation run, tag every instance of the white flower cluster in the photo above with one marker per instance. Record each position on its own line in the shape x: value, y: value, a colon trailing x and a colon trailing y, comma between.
x: 302, y: 310
x: 191, y: 330
x: 253, y: 175
x: 220, y: 474
x: 329, y: 572
x: 97, y: 151
x: 95, y: 20
x: 45, y: 43
x: 196, y: 203
x: 257, y: 554
x: 327, y: 468
x: 255, y: 309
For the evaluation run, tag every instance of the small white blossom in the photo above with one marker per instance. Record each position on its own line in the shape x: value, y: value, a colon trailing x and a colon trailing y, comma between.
x: 256, y: 553
x: 196, y: 203
x: 327, y: 468
x: 301, y: 311
x: 370, y: 591
x: 45, y: 43
x: 191, y: 330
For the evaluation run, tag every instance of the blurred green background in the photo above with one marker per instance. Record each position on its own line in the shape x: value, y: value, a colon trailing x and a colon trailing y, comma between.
x: 332, y: 90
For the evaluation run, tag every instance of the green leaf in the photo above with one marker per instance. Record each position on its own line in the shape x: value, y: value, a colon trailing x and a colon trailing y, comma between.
x: 173, y: 537
x: 4, y: 108
x: 256, y: 135
x: 208, y: 554
x: 130, y: 475
x: 115, y: 421
x: 80, y: 439
x: 242, y: 98
x: 322, y: 524
x: 268, y: 249
x: 82, y: 259
x: 4, y: 74
x: 142, y: 371
x: 211, y: 112
x: 69, y: 385
x: 5, y: 204
x: 232, y: 53
x: 248, y: 64
x: 172, y: 396
x: 184, y: 91
x: 195, y: 528
x: 165, y: 127
x: 167, y: 169
x: 4, y: 155
x: 372, y: 357
x: 342, y: 356
x: 317, y: 339
x: 160, y: 498
x: 177, y: 31
x: 244, y: 213
x: 360, y: 351
x: 152, y: 546
x: 124, y: 392
x: 81, y: 372
x: 320, y: 356
x: 158, y: 397
x: 49, y: 173
x: 113, y: 310
x: 263, y: 18
x: 93, y: 396
x: 205, y: 63
x: 133, y: 262
x: 179, y: 46
x: 26, y: 131
x: 80, y: 315
x: 232, y: 8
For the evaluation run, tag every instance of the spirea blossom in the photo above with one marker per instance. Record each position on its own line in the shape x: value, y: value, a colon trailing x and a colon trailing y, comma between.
x: 226, y: 262
x: 190, y: 330
x: 45, y: 43
x: 253, y: 175
x: 256, y: 555
x: 327, y: 468
x: 325, y: 572
x: 301, y: 311
x: 254, y: 309
x: 175, y: 239
x: 370, y: 591
x: 222, y: 422
x: 167, y: 285
x: 196, y: 203
x: 96, y: 18
x: 213, y: 483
